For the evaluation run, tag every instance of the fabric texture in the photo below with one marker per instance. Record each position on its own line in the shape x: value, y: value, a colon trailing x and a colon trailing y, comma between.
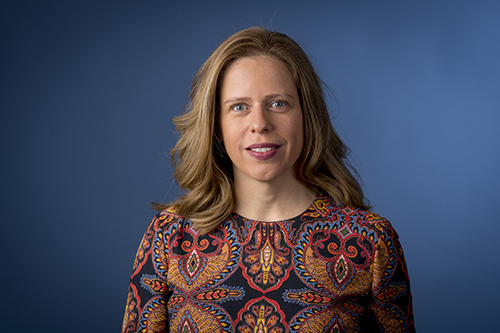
x: 330, y: 269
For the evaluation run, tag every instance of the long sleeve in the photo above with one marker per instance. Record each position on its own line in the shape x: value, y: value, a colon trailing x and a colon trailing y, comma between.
x: 391, y: 303
x: 146, y: 309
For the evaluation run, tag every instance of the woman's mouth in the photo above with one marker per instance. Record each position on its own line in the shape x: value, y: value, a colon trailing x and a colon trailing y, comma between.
x: 263, y: 151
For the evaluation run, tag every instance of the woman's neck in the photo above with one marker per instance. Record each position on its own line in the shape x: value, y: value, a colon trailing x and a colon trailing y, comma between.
x: 272, y: 201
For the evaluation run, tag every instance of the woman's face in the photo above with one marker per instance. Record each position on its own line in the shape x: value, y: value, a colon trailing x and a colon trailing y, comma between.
x: 261, y: 119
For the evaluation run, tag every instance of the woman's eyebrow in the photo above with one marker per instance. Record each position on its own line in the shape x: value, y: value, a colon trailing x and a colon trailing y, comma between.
x: 236, y: 99
x: 279, y: 95
x: 242, y: 99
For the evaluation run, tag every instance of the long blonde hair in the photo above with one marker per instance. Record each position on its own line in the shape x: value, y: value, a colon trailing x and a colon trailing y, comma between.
x: 203, y: 169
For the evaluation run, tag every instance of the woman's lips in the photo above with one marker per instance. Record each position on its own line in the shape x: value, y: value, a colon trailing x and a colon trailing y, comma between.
x: 263, y: 151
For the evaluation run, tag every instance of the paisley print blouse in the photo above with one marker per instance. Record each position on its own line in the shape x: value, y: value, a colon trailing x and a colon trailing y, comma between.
x: 330, y: 269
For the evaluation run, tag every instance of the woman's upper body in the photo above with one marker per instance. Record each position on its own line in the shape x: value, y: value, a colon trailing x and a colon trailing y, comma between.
x: 257, y: 141
x: 329, y: 269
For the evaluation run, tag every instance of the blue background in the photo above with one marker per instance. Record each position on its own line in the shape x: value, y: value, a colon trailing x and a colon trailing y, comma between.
x: 88, y: 90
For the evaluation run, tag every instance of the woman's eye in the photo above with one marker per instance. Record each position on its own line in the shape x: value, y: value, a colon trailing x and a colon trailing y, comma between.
x: 278, y: 104
x: 238, y: 107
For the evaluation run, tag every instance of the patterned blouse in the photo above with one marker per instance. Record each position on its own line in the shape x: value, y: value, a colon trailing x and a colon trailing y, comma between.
x: 330, y: 269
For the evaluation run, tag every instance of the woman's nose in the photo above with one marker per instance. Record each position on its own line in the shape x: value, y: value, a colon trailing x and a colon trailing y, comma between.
x: 261, y: 120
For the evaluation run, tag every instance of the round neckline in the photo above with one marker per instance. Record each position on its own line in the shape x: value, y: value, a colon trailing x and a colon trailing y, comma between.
x: 318, y: 194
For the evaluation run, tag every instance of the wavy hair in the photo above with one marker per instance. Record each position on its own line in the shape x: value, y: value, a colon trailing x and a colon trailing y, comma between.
x: 203, y: 169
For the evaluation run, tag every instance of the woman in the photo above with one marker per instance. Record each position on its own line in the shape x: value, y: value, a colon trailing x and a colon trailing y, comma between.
x: 272, y: 233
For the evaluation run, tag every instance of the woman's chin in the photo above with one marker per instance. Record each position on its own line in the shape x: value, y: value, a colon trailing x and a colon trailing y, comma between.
x: 269, y: 176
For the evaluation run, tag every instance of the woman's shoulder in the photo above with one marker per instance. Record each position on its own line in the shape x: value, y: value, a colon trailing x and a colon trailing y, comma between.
x: 354, y: 217
x: 168, y: 218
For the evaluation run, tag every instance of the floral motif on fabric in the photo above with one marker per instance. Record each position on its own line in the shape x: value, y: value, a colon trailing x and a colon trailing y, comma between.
x: 306, y: 297
x: 199, y: 318
x: 390, y: 317
x: 198, y: 264
x: 334, y: 261
x: 220, y: 294
x: 261, y: 316
x: 143, y: 251
x: 154, y: 284
x: 324, y: 319
x: 266, y: 257
x: 154, y: 316
x: 201, y: 261
x: 131, y: 310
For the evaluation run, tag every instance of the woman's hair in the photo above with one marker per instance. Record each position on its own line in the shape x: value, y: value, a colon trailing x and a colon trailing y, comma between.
x: 203, y: 169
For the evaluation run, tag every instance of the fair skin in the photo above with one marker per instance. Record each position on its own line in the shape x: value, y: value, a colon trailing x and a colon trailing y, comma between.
x: 262, y: 130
